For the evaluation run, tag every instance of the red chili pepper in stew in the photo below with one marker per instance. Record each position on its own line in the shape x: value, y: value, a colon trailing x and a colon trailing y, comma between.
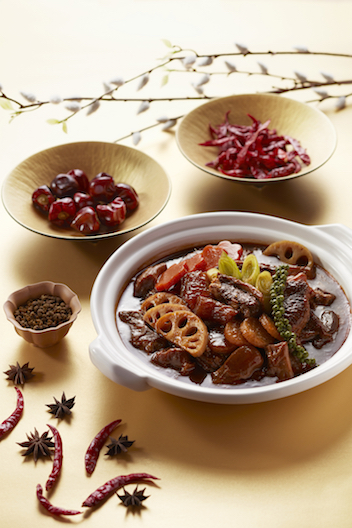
x: 8, y: 424
x: 57, y: 463
x: 114, y: 484
x: 54, y: 510
x: 96, y: 444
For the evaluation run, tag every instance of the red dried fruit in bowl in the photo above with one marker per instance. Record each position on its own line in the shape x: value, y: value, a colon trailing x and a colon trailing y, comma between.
x: 64, y: 185
x: 81, y: 178
x: 102, y: 188
x: 128, y: 195
x: 113, y: 213
x: 83, y: 199
x: 62, y: 211
x: 42, y: 198
x: 86, y: 221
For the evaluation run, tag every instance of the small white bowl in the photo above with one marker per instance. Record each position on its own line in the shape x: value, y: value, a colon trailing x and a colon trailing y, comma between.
x: 331, y: 246
x: 49, y: 336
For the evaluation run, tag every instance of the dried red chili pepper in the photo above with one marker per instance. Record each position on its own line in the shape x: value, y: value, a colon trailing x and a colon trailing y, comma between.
x: 54, y: 510
x: 57, y: 462
x: 96, y: 445
x: 114, y: 484
x: 10, y: 422
x: 255, y: 151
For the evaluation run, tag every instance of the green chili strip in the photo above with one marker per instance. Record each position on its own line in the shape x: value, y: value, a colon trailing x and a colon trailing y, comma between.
x: 278, y: 313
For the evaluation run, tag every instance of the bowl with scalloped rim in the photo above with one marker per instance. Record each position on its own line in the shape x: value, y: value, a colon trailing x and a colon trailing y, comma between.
x: 49, y: 336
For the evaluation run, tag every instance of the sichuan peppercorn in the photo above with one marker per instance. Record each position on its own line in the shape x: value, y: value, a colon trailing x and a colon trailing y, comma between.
x: 44, y: 312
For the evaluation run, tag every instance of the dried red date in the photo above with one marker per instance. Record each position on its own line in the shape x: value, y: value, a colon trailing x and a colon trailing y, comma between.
x: 64, y: 185
x: 42, y: 198
x: 83, y: 199
x: 128, y: 195
x: 62, y: 211
x: 112, y: 214
x: 102, y: 188
x: 81, y: 179
x: 86, y: 206
x: 86, y: 221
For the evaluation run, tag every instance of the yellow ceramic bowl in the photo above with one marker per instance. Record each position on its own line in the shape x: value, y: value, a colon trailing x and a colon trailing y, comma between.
x: 49, y: 336
x: 308, y: 125
x: 125, y: 164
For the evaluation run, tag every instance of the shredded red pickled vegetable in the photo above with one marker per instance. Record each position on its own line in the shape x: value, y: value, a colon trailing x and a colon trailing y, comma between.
x: 255, y: 151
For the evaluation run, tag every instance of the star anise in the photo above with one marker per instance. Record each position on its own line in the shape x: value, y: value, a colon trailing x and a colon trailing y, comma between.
x: 134, y: 499
x: 38, y: 446
x: 119, y: 445
x: 19, y: 375
x: 59, y: 409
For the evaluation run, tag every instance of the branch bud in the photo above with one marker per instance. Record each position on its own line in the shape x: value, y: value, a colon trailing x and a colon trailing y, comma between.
x: 189, y: 61
x: 28, y: 96
x: 205, y: 61
x: 136, y: 137
x: 143, y: 81
x: 231, y: 67
x: 143, y: 107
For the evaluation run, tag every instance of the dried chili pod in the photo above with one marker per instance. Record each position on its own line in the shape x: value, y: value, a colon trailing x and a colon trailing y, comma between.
x: 10, y: 422
x: 54, y: 510
x: 114, y: 484
x: 57, y: 462
x: 96, y: 445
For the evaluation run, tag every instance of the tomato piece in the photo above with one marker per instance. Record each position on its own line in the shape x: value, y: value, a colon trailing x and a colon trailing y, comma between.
x: 196, y: 262
x: 211, y: 255
x: 171, y: 276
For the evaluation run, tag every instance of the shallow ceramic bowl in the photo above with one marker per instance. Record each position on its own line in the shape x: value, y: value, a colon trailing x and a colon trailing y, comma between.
x: 308, y: 125
x: 49, y: 336
x: 125, y: 164
x: 331, y: 246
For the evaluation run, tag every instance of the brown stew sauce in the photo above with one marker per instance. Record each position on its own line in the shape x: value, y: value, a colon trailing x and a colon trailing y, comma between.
x: 204, y: 376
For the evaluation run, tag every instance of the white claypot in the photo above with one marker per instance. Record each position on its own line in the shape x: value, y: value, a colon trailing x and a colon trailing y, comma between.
x: 331, y: 246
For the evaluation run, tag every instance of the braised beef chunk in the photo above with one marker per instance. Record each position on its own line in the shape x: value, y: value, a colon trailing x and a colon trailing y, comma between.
x: 297, y: 302
x: 319, y: 297
x: 293, y: 269
x: 146, y: 281
x: 320, y: 330
x: 279, y: 362
x: 238, y: 294
x: 175, y: 358
x: 210, y: 361
x: 142, y: 336
x: 239, y: 366
x: 194, y: 284
x: 298, y: 367
x: 213, y: 311
x: 312, y: 330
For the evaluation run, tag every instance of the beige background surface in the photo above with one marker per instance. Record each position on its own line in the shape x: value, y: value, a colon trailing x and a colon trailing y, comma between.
x: 279, y: 464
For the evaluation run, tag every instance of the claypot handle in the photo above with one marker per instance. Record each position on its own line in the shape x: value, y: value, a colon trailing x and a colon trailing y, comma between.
x: 339, y: 231
x: 115, y: 367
